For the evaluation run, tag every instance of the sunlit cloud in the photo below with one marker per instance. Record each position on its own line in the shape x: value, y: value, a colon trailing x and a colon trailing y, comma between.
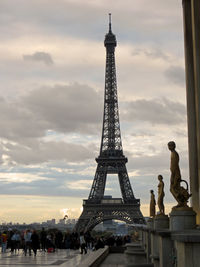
x: 21, y: 178
x: 70, y: 213
x: 79, y: 185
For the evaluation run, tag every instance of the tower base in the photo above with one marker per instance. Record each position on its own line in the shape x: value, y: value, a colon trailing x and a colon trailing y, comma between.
x: 108, y: 209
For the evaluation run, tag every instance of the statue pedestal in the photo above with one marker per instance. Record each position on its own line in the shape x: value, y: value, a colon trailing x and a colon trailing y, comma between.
x: 134, y: 253
x: 150, y: 223
x: 182, y: 218
x: 161, y: 221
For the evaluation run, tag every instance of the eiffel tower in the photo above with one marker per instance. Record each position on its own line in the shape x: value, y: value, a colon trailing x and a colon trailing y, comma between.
x: 111, y: 160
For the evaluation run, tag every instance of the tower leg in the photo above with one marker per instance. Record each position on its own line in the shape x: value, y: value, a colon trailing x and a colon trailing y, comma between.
x: 125, y: 185
x: 98, y: 186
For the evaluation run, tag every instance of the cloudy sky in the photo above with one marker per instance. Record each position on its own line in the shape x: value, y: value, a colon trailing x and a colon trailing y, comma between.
x: 52, y: 69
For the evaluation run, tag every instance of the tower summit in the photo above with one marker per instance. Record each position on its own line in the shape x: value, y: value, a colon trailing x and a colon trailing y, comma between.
x: 111, y: 159
x: 110, y: 39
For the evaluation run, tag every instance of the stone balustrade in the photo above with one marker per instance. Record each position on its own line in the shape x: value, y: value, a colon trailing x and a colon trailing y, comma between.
x: 95, y: 258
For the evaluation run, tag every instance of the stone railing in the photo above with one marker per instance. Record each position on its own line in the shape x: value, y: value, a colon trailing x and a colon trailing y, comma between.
x: 95, y: 258
x: 172, y: 241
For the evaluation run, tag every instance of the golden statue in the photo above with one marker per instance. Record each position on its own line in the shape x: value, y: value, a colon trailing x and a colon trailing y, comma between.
x: 161, y: 195
x: 179, y: 192
x: 152, y: 205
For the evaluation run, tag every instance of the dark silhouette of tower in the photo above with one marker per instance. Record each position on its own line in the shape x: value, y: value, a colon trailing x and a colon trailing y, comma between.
x: 111, y: 159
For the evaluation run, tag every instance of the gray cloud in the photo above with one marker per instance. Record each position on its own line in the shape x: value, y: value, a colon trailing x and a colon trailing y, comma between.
x: 54, y: 181
x: 148, y: 164
x: 176, y: 74
x: 48, y: 151
x: 142, y: 134
x: 181, y: 133
x: 155, y: 53
x: 65, y: 109
x: 46, y: 113
x: 45, y: 179
x: 39, y: 56
x: 155, y: 111
x: 49, y: 17
x: 19, y: 123
x: 73, y: 108
x: 69, y: 109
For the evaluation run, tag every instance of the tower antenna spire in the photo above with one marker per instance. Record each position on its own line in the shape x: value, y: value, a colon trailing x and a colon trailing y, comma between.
x: 110, y: 22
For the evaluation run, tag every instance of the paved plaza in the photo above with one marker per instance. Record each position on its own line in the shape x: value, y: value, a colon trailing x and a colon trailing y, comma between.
x: 58, y: 258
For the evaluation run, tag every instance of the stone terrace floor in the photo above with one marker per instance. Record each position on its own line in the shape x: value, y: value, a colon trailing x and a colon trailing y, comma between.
x: 42, y: 259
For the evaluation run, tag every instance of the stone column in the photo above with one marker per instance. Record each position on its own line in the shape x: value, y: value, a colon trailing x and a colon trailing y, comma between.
x: 148, y: 245
x: 165, y: 249
x: 193, y: 101
x: 154, y: 248
x: 195, y: 8
x: 187, y: 247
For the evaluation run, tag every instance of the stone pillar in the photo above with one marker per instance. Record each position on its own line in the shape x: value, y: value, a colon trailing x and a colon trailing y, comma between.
x: 192, y: 104
x: 148, y: 245
x: 161, y: 242
x: 141, y: 238
x: 154, y: 248
x: 150, y: 223
x: 165, y: 249
x: 187, y: 247
x: 135, y: 254
x: 195, y: 7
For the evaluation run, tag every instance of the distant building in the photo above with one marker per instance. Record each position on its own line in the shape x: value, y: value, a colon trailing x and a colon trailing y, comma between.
x: 62, y: 221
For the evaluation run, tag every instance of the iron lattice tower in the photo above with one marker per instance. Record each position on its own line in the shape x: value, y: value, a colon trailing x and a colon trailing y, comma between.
x: 111, y: 159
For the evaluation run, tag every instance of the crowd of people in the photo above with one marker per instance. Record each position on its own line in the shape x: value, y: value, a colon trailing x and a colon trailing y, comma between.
x: 49, y: 241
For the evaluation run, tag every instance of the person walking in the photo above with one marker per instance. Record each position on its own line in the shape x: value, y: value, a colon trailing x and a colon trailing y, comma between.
x: 4, y: 239
x: 35, y: 243
x: 67, y: 242
x: 18, y: 241
x: 13, y: 242
x: 27, y: 240
x: 82, y: 243
x: 59, y: 240
x: 43, y: 239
